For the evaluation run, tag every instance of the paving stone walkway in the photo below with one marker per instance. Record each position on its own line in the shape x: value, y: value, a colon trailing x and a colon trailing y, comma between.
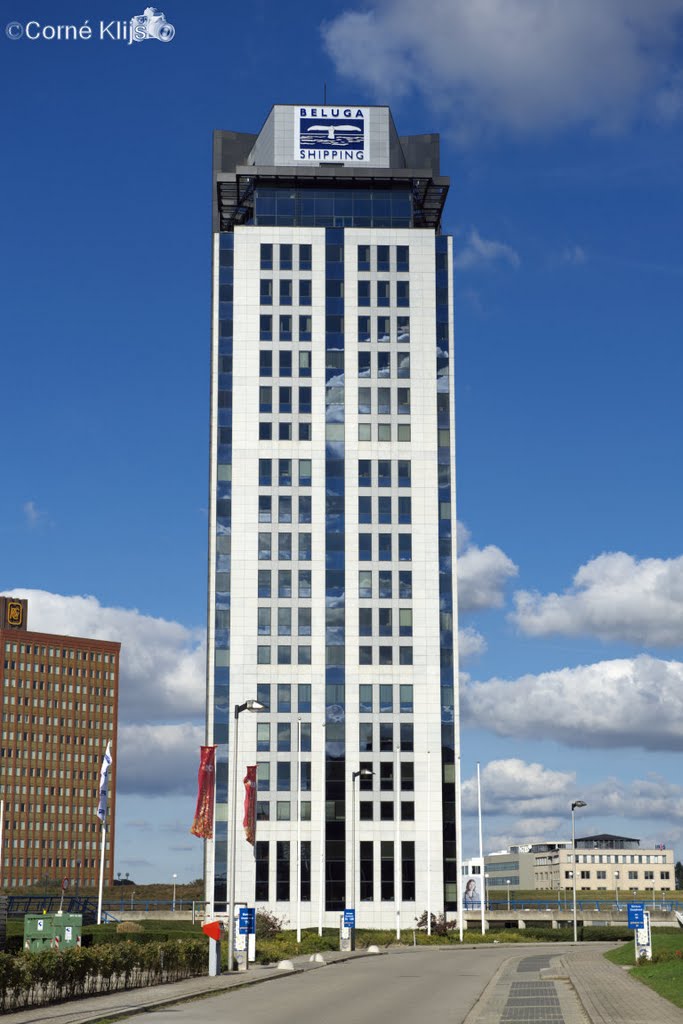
x: 574, y: 986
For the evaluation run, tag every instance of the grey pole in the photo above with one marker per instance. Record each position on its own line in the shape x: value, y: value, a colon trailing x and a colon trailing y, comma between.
x: 249, y: 705
x: 576, y: 803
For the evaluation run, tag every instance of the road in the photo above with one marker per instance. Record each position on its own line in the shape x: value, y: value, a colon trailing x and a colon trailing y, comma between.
x: 402, y: 987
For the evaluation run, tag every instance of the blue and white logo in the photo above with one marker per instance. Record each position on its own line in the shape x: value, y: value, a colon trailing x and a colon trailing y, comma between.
x: 331, y: 134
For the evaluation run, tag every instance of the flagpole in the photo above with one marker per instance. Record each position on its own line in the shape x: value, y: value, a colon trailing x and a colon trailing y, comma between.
x: 2, y: 829
x: 458, y: 848
x: 429, y: 842
x: 103, y: 832
x: 298, y: 830
x: 102, y: 815
x: 481, y: 852
x: 321, y: 881
x: 398, y: 863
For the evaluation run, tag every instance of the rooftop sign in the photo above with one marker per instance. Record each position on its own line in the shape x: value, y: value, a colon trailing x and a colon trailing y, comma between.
x: 331, y: 134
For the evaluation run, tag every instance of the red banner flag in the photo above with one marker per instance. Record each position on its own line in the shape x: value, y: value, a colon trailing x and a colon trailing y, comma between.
x: 250, y: 804
x: 202, y: 826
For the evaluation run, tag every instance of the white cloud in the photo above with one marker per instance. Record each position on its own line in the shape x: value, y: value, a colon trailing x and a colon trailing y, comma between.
x: 513, y: 786
x: 482, y: 573
x: 162, y: 662
x: 470, y: 642
x: 483, y: 252
x: 519, y: 65
x: 537, y: 802
x: 574, y: 254
x: 622, y: 703
x: 158, y: 758
x: 34, y: 516
x: 614, y: 597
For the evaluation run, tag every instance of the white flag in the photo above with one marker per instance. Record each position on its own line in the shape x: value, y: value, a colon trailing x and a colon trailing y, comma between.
x: 104, y: 784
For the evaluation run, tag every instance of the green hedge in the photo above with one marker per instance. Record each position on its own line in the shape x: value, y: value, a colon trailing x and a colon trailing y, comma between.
x: 36, y: 979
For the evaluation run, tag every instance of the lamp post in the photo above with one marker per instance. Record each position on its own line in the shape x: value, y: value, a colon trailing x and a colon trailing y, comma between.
x: 363, y: 773
x: 507, y: 882
x: 249, y: 705
x: 174, y: 881
x: 616, y: 887
x: 575, y: 804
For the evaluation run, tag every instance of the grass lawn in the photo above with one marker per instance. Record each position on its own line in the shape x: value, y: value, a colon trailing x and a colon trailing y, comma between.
x: 665, y: 975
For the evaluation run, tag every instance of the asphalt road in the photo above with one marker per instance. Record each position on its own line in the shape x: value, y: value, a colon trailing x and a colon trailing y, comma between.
x: 401, y: 987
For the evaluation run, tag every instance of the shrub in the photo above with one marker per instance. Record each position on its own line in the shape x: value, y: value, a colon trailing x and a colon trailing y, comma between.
x: 267, y: 925
x: 127, y: 927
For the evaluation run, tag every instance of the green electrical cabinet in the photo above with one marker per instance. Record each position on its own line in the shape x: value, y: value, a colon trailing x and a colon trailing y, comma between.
x: 52, y: 931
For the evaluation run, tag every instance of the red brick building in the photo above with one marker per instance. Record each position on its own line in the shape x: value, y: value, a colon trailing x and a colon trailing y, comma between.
x: 59, y: 697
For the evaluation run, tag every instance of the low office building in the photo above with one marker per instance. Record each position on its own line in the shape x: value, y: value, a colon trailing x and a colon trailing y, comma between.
x: 605, y: 862
x: 59, y: 699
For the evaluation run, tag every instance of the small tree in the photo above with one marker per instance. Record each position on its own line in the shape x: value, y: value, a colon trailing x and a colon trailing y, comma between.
x: 679, y: 875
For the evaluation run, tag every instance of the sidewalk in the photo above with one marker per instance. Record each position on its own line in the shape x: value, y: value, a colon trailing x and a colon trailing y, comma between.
x: 121, y: 1004
x: 569, y: 985
x: 609, y: 995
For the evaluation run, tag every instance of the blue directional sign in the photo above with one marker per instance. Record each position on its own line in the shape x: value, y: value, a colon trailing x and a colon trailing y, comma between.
x: 636, y: 915
x: 349, y: 918
x: 247, y: 921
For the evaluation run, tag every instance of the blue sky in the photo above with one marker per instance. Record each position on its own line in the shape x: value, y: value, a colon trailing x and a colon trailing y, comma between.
x: 561, y: 132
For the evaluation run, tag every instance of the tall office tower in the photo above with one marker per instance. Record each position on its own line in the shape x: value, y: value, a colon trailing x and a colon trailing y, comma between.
x: 59, y: 698
x: 332, y: 518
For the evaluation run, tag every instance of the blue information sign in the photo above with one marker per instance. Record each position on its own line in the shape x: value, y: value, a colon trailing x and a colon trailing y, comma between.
x: 247, y: 920
x: 349, y: 918
x: 636, y: 915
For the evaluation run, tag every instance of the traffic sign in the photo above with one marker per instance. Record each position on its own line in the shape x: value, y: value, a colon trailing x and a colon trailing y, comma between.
x: 349, y: 918
x: 247, y: 920
x: 636, y: 915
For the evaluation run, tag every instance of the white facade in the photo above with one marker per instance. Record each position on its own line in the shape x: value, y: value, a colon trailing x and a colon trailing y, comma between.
x: 379, y: 409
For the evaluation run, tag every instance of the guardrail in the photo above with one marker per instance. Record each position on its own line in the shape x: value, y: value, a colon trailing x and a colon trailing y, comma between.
x: 586, y: 905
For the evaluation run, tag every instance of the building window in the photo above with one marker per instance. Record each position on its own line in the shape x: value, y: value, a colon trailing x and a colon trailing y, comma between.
x: 305, y: 257
x: 264, y: 583
x: 403, y: 329
x: 304, y: 693
x: 266, y: 364
x: 363, y: 293
x: 266, y: 256
x: 305, y: 587
x: 383, y: 296
x: 408, y: 858
x: 285, y: 291
x: 262, y: 736
x: 265, y: 393
x: 305, y: 328
x: 266, y: 327
x: 403, y: 365
x: 363, y: 257
x: 266, y: 291
x: 365, y: 737
x: 387, y: 870
x: 363, y: 328
x: 265, y: 478
x: 284, y: 698
x: 285, y: 257
x: 282, y: 872
x: 402, y: 259
x: 285, y: 327
x: 305, y: 293
x: 383, y: 257
x: 262, y: 851
x: 403, y: 293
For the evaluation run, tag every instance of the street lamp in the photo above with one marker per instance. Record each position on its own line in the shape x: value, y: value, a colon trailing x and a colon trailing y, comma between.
x: 363, y: 773
x: 507, y: 882
x: 575, y: 804
x: 249, y: 705
x: 174, y: 881
x: 616, y: 887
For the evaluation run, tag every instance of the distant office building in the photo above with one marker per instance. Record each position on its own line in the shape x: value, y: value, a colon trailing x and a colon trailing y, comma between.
x: 605, y: 862
x: 59, y: 698
x: 332, y: 516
